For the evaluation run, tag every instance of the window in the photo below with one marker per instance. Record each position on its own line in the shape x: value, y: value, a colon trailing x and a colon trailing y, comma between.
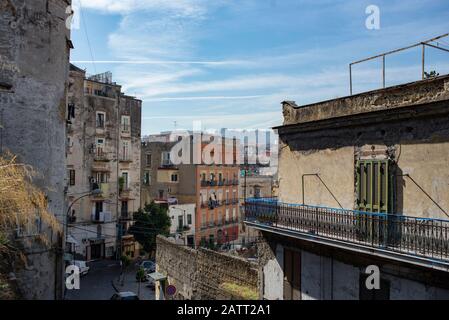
x: 125, y: 209
x: 72, y: 177
x: 100, y: 143
x: 174, y: 177
x: 148, y: 158
x: 70, y: 111
x: 147, y: 178
x: 180, y: 222
x: 204, y: 219
x: 189, y: 219
x: 125, y: 150
x: 374, y: 186
x: 101, y: 118
x: 125, y: 177
x: 126, y: 124
x: 98, y: 209
x: 257, y: 192
x: 101, y: 177
x: 292, y: 275
x: 161, y: 194
x: 166, y: 159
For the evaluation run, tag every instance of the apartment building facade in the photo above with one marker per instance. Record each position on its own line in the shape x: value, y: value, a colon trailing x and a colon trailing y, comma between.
x: 362, y: 187
x: 103, y: 153
x: 214, y: 188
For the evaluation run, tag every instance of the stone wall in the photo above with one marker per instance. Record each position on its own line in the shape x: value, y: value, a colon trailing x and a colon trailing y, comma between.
x: 200, y: 274
x: 34, y: 64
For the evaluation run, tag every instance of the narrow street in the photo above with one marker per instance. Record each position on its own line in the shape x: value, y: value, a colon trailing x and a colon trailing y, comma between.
x: 97, y: 284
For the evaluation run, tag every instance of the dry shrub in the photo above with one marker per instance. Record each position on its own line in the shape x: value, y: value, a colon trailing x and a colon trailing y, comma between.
x: 21, y: 203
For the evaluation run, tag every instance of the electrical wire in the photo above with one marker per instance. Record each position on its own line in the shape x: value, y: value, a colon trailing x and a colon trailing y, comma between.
x: 87, y: 36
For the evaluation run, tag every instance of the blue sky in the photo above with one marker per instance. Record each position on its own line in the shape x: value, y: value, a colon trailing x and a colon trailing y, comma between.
x: 230, y: 63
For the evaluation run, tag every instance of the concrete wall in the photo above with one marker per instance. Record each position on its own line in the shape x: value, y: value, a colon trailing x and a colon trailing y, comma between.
x: 396, y: 97
x: 34, y: 61
x: 335, y: 274
x: 417, y: 142
x: 198, y: 274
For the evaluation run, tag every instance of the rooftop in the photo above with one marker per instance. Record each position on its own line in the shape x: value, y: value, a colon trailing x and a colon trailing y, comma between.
x: 411, y: 94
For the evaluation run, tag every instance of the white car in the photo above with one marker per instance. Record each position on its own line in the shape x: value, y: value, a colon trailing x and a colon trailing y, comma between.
x: 148, y: 265
x: 82, y: 265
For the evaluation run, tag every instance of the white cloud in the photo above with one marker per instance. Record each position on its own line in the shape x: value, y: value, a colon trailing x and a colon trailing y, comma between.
x: 180, y: 8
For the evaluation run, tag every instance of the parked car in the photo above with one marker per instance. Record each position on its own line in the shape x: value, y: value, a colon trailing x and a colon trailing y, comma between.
x: 124, y: 296
x: 82, y: 265
x: 149, y: 266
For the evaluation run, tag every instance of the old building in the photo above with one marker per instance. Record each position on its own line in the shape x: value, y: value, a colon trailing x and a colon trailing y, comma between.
x: 213, y: 188
x: 183, y: 223
x: 363, y: 184
x: 34, y: 63
x: 103, y: 153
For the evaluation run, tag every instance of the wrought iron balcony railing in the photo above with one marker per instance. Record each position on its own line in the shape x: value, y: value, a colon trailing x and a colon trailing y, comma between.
x: 423, y: 237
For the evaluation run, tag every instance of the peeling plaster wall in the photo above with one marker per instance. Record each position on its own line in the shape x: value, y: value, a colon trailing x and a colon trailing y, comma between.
x: 417, y: 141
x: 328, y: 274
x: 34, y: 60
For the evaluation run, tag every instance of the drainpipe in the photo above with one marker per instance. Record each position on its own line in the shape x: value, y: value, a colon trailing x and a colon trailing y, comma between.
x: 306, y: 175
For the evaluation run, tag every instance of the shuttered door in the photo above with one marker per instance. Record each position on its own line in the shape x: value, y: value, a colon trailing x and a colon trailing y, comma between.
x: 292, y: 275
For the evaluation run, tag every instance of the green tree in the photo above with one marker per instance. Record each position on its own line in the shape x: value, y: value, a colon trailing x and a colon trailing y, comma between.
x: 140, y: 277
x: 150, y: 222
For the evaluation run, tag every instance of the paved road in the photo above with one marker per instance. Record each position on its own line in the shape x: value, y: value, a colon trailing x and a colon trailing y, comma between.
x: 97, y: 284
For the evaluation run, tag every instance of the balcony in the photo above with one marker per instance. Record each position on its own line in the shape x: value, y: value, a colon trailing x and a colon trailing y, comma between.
x: 125, y: 193
x: 411, y: 239
x: 182, y: 229
x: 101, y: 217
x: 126, y: 128
x: 126, y: 159
x: 101, y: 157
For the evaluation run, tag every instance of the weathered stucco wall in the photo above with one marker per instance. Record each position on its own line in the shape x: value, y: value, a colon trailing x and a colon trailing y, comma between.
x: 34, y: 60
x: 198, y: 274
x: 415, y: 139
x: 333, y: 274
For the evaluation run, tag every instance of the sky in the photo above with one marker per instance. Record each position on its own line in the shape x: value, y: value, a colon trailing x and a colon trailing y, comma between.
x: 230, y: 63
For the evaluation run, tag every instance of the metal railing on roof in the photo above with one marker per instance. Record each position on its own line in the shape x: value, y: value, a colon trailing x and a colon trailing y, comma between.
x: 423, y: 44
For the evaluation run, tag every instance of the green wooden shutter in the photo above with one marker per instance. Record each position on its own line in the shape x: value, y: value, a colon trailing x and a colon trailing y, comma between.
x: 374, y: 186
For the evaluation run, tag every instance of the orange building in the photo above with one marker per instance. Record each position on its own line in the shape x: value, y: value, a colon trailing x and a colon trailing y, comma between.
x: 214, y: 188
